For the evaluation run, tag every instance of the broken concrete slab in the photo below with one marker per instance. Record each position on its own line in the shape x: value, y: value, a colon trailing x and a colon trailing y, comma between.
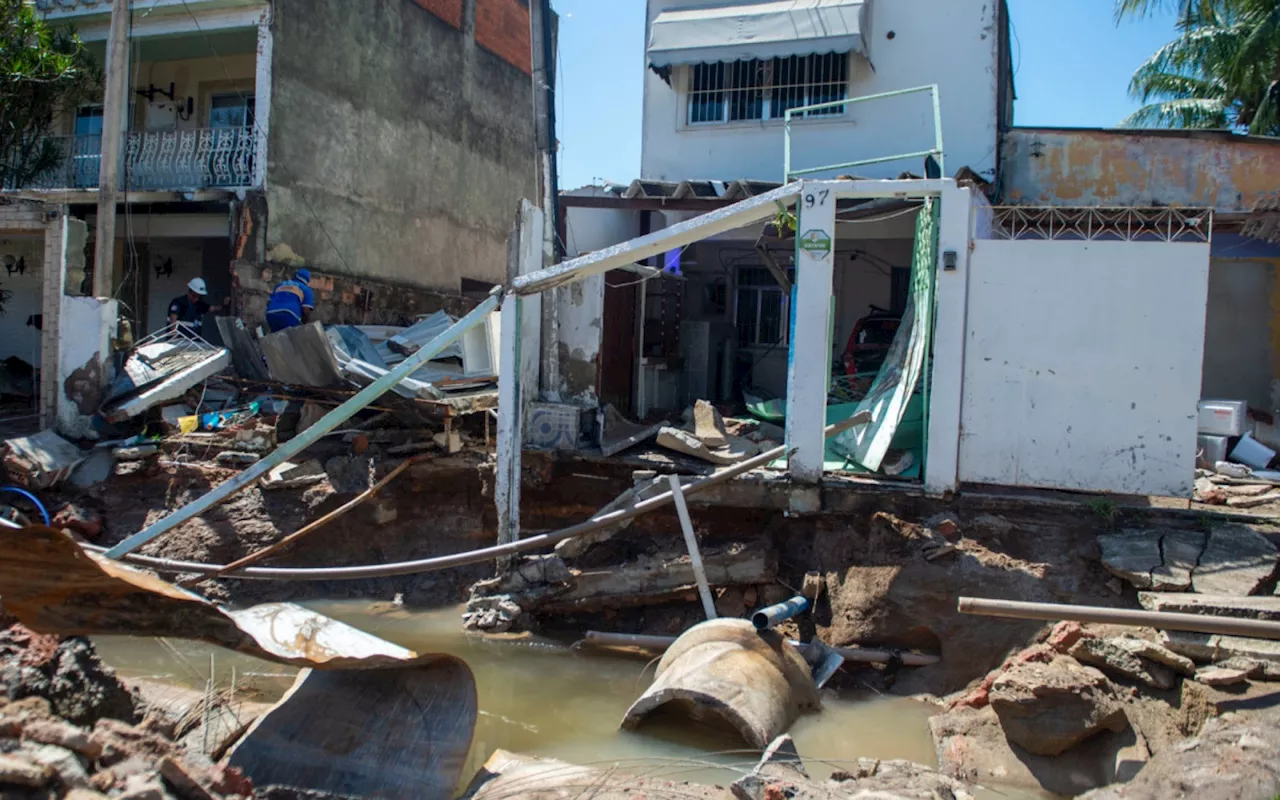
x: 1157, y: 653
x: 1111, y: 656
x: 1049, y: 708
x: 1140, y: 557
x: 292, y: 476
x: 708, y: 425
x: 1222, y: 676
x: 1264, y: 608
x: 94, y: 470
x: 688, y: 444
x: 1236, y: 561
x: 617, y: 433
x: 1214, y: 647
x: 41, y: 460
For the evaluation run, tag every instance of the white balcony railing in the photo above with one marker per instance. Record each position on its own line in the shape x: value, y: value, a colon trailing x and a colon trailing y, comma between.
x: 201, y: 158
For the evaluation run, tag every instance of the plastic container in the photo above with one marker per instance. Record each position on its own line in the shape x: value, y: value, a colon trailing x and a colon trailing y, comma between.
x: 1251, y: 452
x: 1221, y: 417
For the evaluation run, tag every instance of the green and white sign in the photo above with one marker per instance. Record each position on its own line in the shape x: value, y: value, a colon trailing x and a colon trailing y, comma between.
x: 817, y: 243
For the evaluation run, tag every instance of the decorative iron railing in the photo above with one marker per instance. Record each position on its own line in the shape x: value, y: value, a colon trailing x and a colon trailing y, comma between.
x: 200, y: 158
x: 1102, y: 223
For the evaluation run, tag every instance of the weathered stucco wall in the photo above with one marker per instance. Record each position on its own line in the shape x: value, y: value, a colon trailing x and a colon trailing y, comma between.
x: 1049, y: 167
x: 396, y: 140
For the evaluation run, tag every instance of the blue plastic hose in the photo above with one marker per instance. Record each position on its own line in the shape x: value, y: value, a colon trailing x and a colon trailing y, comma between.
x: 16, y: 490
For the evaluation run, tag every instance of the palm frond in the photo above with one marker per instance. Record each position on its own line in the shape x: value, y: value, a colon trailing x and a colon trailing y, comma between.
x: 1202, y: 113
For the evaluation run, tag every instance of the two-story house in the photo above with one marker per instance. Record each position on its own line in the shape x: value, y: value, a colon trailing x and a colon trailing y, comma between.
x: 738, y: 98
x: 384, y: 144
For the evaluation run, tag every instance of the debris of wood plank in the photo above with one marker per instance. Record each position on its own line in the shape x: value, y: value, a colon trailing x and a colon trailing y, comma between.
x: 41, y: 460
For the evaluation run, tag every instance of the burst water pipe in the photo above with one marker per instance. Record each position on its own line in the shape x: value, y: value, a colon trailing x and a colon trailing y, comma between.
x: 43, y: 511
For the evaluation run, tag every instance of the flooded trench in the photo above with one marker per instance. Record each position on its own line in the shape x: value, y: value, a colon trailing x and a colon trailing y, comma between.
x: 547, y: 700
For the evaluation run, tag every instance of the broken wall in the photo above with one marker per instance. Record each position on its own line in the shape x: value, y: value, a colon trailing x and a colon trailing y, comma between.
x: 1143, y: 168
x: 401, y: 138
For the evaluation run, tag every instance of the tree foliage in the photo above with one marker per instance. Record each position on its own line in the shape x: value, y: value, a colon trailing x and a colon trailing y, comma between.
x: 1223, y: 70
x: 42, y: 71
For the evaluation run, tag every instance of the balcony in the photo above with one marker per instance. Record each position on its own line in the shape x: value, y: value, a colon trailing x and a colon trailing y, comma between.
x: 171, y: 160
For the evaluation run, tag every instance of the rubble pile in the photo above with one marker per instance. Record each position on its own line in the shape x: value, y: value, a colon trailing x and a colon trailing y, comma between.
x: 70, y: 729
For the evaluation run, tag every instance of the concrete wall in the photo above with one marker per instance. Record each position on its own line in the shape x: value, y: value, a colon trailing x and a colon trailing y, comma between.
x: 1051, y: 167
x: 952, y: 43
x: 399, y: 146
x: 188, y: 263
x: 582, y: 303
x: 1242, y: 331
x: 1082, y: 365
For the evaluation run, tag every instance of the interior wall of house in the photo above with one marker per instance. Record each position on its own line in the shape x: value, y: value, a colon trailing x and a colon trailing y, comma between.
x: 1242, y: 331
x: 1067, y: 386
x: 163, y: 287
x: 25, y: 296
x: 401, y: 140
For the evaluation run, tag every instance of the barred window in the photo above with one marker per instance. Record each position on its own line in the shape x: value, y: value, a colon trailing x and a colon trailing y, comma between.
x: 729, y: 91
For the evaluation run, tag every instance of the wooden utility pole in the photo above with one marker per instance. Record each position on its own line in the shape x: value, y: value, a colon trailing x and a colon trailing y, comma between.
x: 115, y: 112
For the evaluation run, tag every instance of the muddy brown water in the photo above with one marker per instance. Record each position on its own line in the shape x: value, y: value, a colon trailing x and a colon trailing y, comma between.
x: 548, y: 700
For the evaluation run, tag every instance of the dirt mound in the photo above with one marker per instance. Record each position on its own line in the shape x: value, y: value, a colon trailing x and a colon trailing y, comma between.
x: 66, y: 672
x: 892, y: 594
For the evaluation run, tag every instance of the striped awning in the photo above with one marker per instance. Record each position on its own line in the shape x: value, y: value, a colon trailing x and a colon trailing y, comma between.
x: 760, y: 30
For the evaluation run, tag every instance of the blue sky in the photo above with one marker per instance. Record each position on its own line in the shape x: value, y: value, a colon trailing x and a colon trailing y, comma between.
x: 1073, y: 66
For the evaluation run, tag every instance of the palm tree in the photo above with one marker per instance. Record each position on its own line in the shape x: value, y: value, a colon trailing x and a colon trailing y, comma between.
x: 1223, y: 70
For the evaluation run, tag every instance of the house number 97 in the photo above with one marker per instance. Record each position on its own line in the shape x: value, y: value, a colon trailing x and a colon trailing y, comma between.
x: 817, y: 199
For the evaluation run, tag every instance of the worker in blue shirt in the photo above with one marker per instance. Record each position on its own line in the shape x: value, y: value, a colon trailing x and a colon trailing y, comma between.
x: 291, y: 302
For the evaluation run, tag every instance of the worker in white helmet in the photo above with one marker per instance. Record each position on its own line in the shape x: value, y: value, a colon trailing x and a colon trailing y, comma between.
x: 190, y: 308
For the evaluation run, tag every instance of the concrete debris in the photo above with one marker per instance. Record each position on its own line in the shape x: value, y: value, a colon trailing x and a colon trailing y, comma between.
x: 139, y: 453
x: 507, y: 775
x: 17, y: 771
x: 708, y: 425
x: 1264, y: 608
x: 1111, y: 656
x: 1205, y: 647
x: 618, y: 433
x: 450, y: 441
x: 1049, y: 708
x: 1236, y: 561
x: 79, y: 520
x: 1233, y: 559
x: 491, y: 614
x: 236, y: 458
x: 1233, y: 756
x: 294, y: 476
x: 41, y: 461
x: 1130, y: 759
x: 1222, y: 676
x: 684, y: 442
x: 94, y: 470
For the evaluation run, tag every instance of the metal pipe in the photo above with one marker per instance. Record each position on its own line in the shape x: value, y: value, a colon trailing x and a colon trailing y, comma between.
x: 312, y: 434
x: 862, y: 655
x: 1195, y: 623
x: 691, y: 544
x: 779, y: 612
x: 483, y: 554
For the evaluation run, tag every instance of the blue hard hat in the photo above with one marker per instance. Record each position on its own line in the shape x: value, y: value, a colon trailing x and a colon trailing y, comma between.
x: 302, y: 276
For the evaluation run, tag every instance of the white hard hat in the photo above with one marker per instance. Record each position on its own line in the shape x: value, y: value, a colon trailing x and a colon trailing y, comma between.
x: 197, y: 286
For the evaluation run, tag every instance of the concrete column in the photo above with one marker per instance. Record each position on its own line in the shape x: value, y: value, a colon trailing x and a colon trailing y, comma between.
x: 809, y: 354
x: 115, y: 120
x: 519, y: 341
x: 946, y: 387
x: 262, y: 98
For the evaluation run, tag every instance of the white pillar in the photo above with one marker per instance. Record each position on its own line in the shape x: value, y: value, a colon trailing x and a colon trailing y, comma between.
x: 946, y: 386
x: 262, y: 99
x: 809, y: 354
x: 520, y: 340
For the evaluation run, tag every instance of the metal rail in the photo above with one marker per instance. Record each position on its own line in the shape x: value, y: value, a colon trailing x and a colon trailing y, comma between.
x: 936, y: 152
x: 1164, y: 620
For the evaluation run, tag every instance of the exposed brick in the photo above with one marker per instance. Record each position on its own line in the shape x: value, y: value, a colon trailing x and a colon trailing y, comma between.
x: 448, y: 10
x: 502, y: 28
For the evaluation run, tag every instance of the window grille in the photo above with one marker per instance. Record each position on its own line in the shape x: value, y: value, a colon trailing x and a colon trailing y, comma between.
x: 731, y: 91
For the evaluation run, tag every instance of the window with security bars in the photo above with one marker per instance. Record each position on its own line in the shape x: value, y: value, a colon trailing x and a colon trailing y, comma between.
x: 761, y: 308
x: 730, y: 91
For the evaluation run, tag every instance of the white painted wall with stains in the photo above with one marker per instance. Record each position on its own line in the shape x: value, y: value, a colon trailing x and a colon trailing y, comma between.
x: 1082, y: 365
x: 951, y: 43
